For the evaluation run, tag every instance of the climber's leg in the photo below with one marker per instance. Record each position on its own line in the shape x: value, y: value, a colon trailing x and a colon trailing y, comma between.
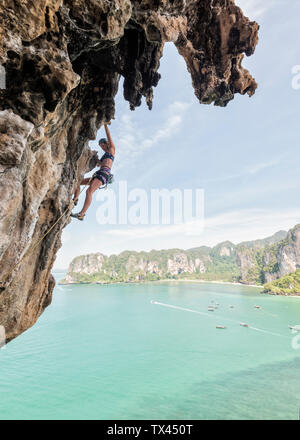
x: 77, y: 190
x: 94, y: 185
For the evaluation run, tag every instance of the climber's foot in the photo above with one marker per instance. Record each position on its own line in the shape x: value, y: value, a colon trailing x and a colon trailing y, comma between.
x: 78, y: 216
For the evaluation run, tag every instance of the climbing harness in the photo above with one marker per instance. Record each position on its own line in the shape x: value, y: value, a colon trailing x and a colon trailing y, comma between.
x: 108, y: 177
x: 109, y: 181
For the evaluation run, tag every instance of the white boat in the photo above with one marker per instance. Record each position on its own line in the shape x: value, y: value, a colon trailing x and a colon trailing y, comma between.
x: 211, y: 309
x: 295, y: 327
x: 243, y: 324
x: 221, y: 326
x: 257, y: 307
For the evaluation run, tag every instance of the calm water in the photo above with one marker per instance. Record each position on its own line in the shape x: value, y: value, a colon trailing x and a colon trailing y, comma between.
x: 106, y: 352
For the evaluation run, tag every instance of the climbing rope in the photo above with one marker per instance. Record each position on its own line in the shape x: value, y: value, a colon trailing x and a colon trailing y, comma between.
x: 30, y: 250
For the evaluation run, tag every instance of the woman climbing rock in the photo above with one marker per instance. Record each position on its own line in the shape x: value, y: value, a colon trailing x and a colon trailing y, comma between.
x: 100, y: 178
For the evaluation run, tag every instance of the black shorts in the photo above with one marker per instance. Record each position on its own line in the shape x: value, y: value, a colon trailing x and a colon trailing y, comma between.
x: 103, y: 175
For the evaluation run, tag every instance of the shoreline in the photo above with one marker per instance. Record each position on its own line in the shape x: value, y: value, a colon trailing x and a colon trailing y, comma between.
x: 168, y: 281
x: 210, y: 282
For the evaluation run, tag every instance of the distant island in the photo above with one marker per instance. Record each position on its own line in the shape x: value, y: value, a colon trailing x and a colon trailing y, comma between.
x: 272, y: 262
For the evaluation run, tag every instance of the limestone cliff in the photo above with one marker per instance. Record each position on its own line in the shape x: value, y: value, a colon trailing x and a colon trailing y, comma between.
x: 251, y: 262
x: 265, y: 262
x: 63, y: 61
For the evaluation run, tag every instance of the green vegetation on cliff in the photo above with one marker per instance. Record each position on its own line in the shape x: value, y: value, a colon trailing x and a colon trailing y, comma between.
x: 259, y: 261
x: 286, y: 285
x: 253, y: 262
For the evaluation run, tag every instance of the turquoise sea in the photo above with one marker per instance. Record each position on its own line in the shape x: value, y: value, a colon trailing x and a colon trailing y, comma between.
x: 109, y: 352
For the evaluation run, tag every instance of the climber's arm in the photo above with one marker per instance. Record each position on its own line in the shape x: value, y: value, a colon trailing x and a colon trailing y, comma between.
x: 110, y: 141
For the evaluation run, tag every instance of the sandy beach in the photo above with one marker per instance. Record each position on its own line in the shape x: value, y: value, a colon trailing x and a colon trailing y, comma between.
x: 206, y: 281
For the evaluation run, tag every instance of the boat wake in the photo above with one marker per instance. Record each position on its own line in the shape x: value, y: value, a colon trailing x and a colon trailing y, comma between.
x: 184, y: 309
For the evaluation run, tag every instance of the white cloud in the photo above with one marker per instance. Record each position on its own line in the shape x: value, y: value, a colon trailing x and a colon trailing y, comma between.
x: 133, y: 140
x: 254, y: 9
x: 236, y: 226
x: 248, y: 170
x: 154, y: 231
x: 170, y: 127
x: 256, y: 168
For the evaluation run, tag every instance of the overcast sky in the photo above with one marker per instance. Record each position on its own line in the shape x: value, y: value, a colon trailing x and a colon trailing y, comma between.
x: 245, y: 157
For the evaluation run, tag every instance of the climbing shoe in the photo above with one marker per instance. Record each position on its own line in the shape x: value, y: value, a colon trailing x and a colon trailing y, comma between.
x: 78, y: 216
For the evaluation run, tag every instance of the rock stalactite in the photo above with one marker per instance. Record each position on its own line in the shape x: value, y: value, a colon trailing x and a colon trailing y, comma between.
x: 63, y: 60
